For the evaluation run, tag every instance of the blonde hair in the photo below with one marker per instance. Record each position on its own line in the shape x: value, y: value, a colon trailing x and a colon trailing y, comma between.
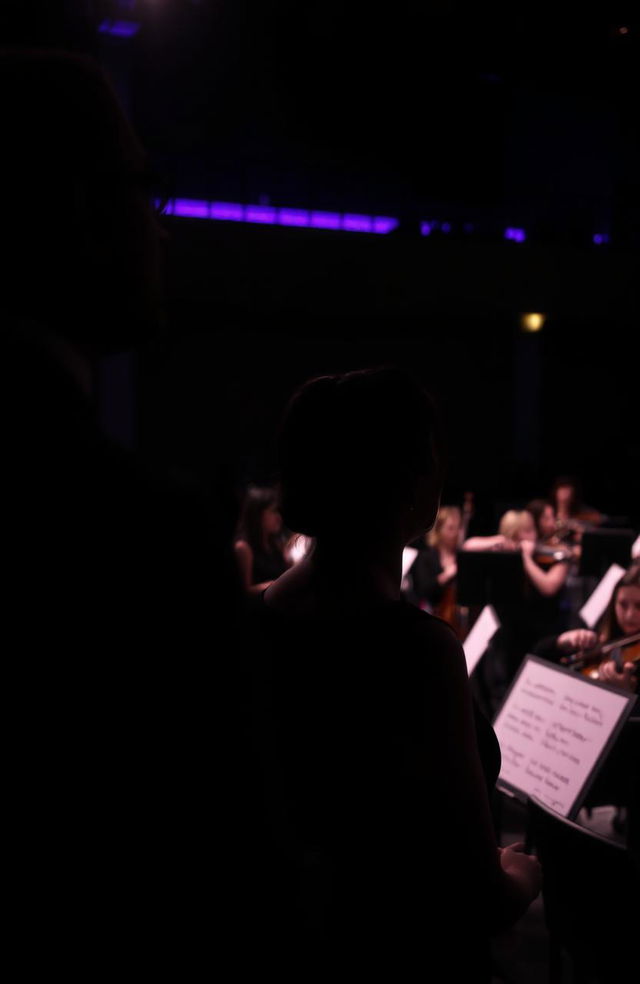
x: 512, y: 522
x: 444, y: 513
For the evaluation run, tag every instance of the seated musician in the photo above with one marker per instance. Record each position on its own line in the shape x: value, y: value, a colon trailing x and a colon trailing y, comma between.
x: 544, y: 517
x: 434, y: 569
x: 572, y: 515
x: 517, y: 531
x: 620, y: 620
x: 618, y: 783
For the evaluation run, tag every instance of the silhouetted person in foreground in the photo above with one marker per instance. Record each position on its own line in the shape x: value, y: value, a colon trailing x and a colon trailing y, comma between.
x: 120, y: 586
x: 378, y: 776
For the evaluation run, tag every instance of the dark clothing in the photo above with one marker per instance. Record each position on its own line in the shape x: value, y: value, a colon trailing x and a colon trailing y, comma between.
x: 268, y: 565
x: 523, y: 623
x: 547, y: 648
x: 120, y: 591
x: 424, y: 575
x: 371, y: 861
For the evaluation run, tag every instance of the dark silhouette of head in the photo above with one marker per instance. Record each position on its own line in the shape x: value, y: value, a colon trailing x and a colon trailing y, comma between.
x: 81, y: 241
x: 357, y: 451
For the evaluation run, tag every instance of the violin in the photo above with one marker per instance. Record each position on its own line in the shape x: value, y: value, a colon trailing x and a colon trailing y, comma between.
x: 547, y: 554
x: 587, y: 662
x: 575, y: 526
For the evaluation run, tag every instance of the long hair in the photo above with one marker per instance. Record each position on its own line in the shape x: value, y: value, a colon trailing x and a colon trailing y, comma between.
x: 257, y: 500
x: 574, y: 483
x: 537, y: 507
x: 444, y: 513
x: 609, y: 626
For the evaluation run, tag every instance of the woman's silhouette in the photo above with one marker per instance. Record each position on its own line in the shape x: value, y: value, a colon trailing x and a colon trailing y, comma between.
x: 377, y: 773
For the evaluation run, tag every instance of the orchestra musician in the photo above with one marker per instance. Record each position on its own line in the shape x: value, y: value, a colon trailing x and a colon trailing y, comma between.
x: 435, y: 568
x: 583, y: 648
x: 517, y: 531
x: 573, y: 517
x: 538, y: 612
x: 259, y: 546
x: 434, y: 571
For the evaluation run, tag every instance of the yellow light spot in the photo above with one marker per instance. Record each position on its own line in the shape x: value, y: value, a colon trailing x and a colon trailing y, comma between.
x: 532, y: 321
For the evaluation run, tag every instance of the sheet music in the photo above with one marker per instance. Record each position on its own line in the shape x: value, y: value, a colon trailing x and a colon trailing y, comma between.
x: 592, y: 610
x: 553, y: 729
x: 409, y: 554
x: 475, y: 645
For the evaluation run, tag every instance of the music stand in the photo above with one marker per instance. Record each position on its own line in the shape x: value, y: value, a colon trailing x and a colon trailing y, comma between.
x: 489, y: 577
x: 602, y: 548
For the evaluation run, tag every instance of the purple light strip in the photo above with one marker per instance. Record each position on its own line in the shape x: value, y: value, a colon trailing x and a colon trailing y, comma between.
x: 188, y: 208
x: 227, y: 211
x: 260, y: 213
x: 269, y: 215
x: 384, y: 224
x: 516, y: 235
x: 294, y: 217
x: 118, y: 28
x: 326, y: 220
x: 357, y: 223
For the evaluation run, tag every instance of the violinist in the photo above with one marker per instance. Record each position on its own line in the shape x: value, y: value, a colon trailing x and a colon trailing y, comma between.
x: 619, y: 781
x: 538, y: 613
x: 550, y: 548
x: 517, y: 531
x: 622, y: 619
x: 573, y: 517
x: 583, y: 648
x: 545, y: 519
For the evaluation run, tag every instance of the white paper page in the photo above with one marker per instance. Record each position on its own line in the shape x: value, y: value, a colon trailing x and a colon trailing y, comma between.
x: 552, y: 728
x: 475, y: 645
x: 592, y: 609
x: 409, y: 554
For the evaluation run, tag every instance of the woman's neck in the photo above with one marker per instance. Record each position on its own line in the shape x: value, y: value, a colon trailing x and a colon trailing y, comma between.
x: 340, y: 576
x: 369, y: 570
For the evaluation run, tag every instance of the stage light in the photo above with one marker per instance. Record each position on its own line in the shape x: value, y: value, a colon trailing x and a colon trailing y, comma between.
x: 516, y: 235
x: 118, y: 28
x: 532, y: 322
x: 600, y: 238
x: 191, y: 208
x: 326, y: 220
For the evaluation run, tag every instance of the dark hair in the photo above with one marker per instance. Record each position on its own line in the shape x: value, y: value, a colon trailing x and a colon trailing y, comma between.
x: 257, y: 500
x: 573, y: 483
x: 351, y: 448
x: 536, y: 507
x: 610, y: 629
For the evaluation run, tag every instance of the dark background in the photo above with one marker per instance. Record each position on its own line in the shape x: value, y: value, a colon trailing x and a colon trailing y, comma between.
x: 526, y: 118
